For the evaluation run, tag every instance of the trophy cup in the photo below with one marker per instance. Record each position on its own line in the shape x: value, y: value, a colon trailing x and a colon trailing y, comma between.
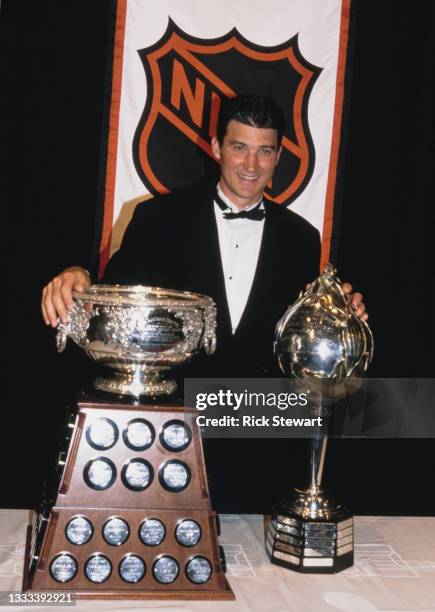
x: 322, y: 343
x: 139, y: 332
x: 128, y: 513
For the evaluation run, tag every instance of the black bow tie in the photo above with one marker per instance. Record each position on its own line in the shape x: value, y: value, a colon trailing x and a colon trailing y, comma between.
x: 256, y: 214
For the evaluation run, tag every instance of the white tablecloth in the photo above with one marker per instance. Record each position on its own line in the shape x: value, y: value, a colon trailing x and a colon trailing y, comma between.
x: 394, y: 571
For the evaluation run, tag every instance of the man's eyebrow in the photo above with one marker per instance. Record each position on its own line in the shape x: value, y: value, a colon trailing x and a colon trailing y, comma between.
x: 238, y: 142
x: 263, y: 146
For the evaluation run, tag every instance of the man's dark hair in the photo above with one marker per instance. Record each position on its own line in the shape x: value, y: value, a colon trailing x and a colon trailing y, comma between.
x: 253, y: 110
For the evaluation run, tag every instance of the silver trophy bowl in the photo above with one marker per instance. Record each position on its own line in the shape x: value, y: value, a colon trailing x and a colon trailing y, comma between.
x: 321, y: 341
x: 324, y: 345
x: 140, y: 332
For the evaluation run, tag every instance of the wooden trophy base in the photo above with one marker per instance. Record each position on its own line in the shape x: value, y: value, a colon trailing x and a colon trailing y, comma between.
x: 131, y: 516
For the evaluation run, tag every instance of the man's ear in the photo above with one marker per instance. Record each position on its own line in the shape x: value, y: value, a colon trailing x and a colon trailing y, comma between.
x: 215, y: 147
x: 278, y: 156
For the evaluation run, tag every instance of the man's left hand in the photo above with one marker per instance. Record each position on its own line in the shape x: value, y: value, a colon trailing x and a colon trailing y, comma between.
x: 356, y: 301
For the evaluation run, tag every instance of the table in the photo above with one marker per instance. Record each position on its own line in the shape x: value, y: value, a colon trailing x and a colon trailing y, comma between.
x: 394, y: 571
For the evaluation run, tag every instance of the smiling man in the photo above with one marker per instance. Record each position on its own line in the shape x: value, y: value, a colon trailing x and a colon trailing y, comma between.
x: 250, y: 255
x: 248, y: 157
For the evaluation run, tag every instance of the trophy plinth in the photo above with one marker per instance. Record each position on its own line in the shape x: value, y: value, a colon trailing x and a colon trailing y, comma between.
x: 128, y: 513
x: 309, y: 545
x: 321, y: 343
x: 310, y: 534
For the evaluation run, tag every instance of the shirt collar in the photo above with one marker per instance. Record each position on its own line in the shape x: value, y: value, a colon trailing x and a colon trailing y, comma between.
x: 232, y: 206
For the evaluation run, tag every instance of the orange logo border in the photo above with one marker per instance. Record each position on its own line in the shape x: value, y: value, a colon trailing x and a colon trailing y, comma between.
x: 186, y: 46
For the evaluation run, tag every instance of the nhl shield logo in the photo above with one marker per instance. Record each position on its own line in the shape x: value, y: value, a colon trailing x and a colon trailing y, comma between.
x: 187, y: 78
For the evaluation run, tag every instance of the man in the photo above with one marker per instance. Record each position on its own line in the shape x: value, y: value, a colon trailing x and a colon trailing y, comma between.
x: 251, y: 256
x: 253, y: 268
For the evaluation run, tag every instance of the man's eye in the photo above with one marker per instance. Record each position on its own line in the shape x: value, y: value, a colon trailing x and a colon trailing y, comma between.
x: 238, y: 147
x: 266, y: 151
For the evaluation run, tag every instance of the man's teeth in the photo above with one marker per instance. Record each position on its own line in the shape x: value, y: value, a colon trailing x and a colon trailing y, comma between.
x: 248, y: 178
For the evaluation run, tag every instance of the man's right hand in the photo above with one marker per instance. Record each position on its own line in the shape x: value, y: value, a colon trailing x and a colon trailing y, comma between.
x: 57, y: 297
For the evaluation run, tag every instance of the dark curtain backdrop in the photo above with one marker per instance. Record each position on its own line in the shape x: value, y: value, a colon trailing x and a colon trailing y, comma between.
x: 53, y: 79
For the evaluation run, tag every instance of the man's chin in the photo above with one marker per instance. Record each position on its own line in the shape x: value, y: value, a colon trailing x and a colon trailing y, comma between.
x: 249, y: 195
x: 252, y: 200
x: 244, y: 195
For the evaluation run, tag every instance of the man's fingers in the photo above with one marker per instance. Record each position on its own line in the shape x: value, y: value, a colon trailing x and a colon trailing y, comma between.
x: 360, y: 310
x: 59, y: 306
x: 358, y: 305
x: 55, y: 303
x: 57, y: 297
x: 82, y: 285
x: 49, y: 306
x: 75, y: 280
x: 44, y: 311
x: 357, y: 299
x: 81, y: 280
x: 65, y: 291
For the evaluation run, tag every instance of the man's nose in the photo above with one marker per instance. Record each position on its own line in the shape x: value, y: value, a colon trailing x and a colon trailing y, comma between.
x: 251, y: 161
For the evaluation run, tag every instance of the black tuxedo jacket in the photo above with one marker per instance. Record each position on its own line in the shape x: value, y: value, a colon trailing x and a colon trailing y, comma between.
x: 172, y: 242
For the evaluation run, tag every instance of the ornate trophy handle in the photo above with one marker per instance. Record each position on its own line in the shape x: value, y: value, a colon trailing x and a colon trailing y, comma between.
x: 61, y: 336
x: 209, y: 337
x: 75, y: 328
x: 209, y: 344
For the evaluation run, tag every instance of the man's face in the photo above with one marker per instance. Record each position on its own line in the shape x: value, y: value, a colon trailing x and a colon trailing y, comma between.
x: 248, y: 157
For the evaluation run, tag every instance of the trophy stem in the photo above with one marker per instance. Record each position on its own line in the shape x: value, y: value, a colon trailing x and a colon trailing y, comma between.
x: 317, y: 462
x: 146, y: 381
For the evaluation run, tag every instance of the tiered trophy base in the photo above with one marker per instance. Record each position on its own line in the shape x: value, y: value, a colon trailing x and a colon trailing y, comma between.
x: 217, y: 588
x: 129, y: 514
x: 309, y: 534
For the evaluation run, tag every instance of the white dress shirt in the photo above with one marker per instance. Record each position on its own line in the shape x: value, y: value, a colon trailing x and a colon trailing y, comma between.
x: 239, y: 242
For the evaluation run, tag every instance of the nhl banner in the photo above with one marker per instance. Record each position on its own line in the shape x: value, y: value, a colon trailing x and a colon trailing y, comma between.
x: 174, y: 62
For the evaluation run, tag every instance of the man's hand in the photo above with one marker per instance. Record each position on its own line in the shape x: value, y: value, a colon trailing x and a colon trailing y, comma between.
x: 355, y: 299
x: 57, y: 296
